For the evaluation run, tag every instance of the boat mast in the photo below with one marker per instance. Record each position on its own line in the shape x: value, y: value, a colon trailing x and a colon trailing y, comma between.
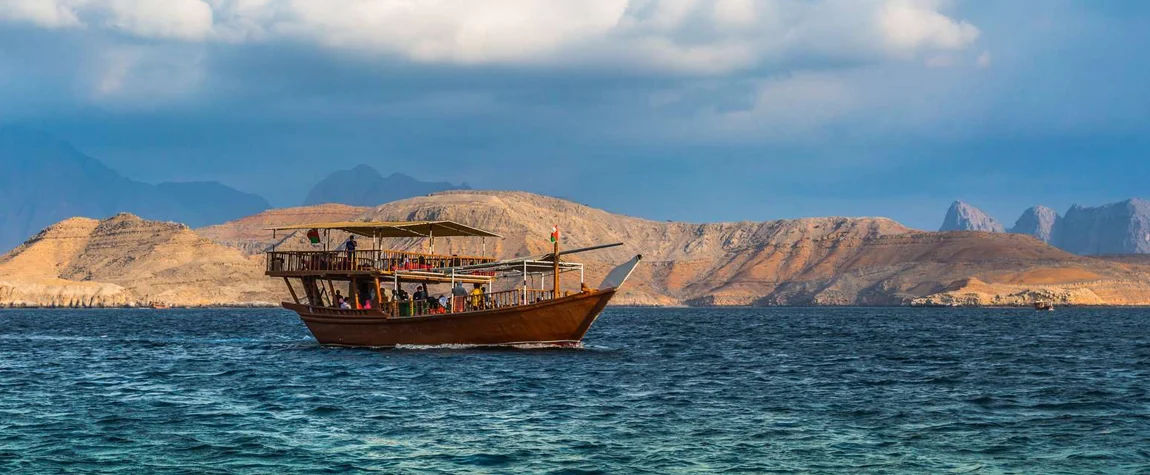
x: 556, y: 262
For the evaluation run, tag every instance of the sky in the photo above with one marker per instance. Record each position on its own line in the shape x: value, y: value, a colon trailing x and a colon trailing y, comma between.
x: 692, y: 110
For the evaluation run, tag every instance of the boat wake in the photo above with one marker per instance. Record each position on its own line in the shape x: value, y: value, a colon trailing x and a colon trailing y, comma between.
x: 550, y: 345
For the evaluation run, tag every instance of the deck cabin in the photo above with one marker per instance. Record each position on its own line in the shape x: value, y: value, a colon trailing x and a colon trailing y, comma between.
x: 380, y: 281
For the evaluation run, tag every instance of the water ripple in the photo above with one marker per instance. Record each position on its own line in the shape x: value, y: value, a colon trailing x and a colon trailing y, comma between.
x: 651, y: 391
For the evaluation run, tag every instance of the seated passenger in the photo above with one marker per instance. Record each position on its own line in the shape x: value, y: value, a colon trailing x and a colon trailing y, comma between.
x: 343, y: 304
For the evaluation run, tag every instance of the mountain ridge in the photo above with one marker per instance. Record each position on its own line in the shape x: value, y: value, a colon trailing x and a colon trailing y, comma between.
x: 46, y: 180
x: 363, y: 185
x: 1121, y: 227
x: 809, y: 261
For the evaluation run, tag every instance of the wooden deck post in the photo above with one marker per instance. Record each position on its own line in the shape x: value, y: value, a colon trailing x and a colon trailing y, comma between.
x: 292, y: 290
x: 556, y: 268
x: 354, y: 291
x: 378, y: 294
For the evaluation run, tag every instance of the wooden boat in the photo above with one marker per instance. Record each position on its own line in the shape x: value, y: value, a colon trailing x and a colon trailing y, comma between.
x: 1043, y: 306
x: 379, y: 314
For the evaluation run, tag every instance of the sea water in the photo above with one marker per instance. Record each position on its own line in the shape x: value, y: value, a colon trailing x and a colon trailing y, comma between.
x: 765, y: 390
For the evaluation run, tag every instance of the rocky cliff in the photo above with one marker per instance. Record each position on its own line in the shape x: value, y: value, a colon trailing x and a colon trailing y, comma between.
x: 1040, y: 222
x: 964, y: 217
x: 125, y: 260
x: 364, y: 186
x: 45, y: 180
x: 1116, y: 228
x: 251, y: 234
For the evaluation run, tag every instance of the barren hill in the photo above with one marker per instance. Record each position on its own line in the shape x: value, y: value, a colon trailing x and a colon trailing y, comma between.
x: 815, y: 261
x: 125, y: 260
x: 251, y: 235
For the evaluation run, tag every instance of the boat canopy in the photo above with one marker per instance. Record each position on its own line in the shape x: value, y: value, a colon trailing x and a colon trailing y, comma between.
x: 396, y: 229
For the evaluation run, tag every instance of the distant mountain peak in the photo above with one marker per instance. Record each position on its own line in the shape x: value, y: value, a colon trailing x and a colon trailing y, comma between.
x: 964, y: 217
x: 1115, y: 228
x: 46, y: 179
x: 363, y: 185
x: 1040, y: 222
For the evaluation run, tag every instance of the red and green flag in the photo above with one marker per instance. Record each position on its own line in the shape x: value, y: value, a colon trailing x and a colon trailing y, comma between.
x: 313, y: 236
x: 555, y: 233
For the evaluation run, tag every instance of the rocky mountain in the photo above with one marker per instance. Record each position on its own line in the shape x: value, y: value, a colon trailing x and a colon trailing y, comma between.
x: 815, y: 261
x: 125, y: 261
x: 45, y: 180
x: 1116, y: 228
x: 364, y: 186
x: 250, y: 234
x: 1040, y: 222
x: 964, y: 217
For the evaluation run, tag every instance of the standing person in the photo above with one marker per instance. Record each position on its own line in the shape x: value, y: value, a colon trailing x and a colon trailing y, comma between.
x: 477, y: 297
x: 338, y: 299
x: 458, y: 297
x: 350, y: 246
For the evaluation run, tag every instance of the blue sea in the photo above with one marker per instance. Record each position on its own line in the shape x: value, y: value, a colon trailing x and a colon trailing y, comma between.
x: 765, y: 390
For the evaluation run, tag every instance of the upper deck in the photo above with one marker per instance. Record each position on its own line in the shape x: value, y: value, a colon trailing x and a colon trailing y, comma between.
x: 340, y: 264
x: 366, y: 262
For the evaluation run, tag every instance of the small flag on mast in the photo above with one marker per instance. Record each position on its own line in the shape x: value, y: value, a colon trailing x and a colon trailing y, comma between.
x: 313, y: 236
x: 555, y: 233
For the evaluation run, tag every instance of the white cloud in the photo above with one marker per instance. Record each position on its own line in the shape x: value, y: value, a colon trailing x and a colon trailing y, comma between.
x: 695, y: 36
x: 917, y: 24
x: 179, y: 19
x: 983, y: 60
x: 44, y: 13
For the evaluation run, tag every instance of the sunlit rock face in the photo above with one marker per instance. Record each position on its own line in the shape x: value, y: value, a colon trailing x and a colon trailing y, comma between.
x: 1116, y: 228
x: 964, y: 217
x: 1040, y: 222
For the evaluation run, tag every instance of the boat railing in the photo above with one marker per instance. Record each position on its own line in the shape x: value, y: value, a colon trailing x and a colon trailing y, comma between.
x: 470, y: 303
x: 366, y: 260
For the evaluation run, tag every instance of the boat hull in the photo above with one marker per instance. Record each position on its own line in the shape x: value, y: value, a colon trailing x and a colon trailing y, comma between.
x: 562, y: 322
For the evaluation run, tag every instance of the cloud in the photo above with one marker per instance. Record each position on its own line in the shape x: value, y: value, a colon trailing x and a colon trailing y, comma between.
x: 47, y: 14
x: 681, y: 36
x: 984, y: 59
x: 917, y: 24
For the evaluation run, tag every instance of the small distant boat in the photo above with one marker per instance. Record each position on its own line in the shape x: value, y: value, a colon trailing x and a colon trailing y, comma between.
x: 1043, y: 306
x: 161, y: 306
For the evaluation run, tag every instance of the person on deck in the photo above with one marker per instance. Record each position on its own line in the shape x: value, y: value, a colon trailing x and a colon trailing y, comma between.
x: 337, y: 300
x: 477, y: 297
x: 419, y: 299
x: 343, y: 304
x: 458, y: 297
x: 443, y: 301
